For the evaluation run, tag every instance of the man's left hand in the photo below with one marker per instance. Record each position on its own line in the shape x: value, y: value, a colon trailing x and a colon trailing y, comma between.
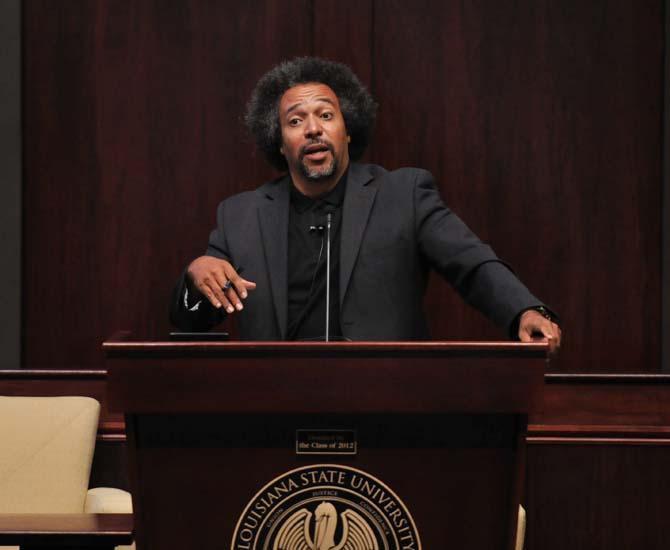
x: 533, y: 326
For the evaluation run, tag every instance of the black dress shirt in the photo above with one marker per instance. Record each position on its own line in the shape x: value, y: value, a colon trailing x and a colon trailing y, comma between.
x: 307, y: 244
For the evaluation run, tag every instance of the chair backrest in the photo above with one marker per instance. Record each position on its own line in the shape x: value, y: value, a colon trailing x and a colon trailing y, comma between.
x: 46, y: 450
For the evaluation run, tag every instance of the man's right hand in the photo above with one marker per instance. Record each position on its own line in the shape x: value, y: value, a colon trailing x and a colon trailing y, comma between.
x: 218, y: 281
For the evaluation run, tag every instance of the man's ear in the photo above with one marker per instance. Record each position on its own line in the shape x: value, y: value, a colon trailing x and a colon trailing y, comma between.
x: 348, y: 139
x: 281, y: 150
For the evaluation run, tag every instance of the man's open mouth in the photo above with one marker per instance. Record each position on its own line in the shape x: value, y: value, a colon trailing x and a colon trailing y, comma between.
x: 315, y: 151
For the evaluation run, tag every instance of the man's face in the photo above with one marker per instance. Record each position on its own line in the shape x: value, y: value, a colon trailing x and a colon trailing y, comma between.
x: 314, y: 138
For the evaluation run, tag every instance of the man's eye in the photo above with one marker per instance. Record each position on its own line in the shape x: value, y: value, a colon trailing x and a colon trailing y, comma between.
x: 327, y: 116
x: 294, y: 121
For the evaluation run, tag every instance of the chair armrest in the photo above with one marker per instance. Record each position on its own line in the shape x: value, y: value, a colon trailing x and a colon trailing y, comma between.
x: 107, y: 500
x: 520, y: 529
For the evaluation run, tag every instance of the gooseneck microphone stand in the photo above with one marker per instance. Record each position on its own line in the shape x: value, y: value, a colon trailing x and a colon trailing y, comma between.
x: 328, y: 277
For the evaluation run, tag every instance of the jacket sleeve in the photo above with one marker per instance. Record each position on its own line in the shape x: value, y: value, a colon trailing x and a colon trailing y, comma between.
x: 469, y: 265
x: 197, y: 313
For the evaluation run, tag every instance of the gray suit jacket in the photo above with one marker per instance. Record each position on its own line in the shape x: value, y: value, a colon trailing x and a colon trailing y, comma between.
x: 395, y: 228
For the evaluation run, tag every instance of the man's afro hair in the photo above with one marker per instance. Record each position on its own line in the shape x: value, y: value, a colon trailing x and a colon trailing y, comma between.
x: 357, y: 106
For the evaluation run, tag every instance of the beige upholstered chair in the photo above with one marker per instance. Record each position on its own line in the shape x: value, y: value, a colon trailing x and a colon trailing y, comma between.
x: 46, y: 452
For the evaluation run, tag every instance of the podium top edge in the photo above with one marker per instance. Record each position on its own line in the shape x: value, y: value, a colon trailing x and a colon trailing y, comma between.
x: 113, y: 346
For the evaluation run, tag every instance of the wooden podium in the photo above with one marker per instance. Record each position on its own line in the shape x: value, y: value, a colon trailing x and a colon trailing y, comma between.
x: 277, y: 445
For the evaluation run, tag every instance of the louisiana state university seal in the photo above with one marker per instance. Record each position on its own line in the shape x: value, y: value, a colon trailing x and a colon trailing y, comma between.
x: 326, y: 507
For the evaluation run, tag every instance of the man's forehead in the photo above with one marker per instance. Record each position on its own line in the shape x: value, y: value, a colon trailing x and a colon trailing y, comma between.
x: 303, y: 93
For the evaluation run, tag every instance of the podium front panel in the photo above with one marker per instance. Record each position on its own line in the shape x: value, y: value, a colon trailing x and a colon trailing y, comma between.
x: 217, y: 461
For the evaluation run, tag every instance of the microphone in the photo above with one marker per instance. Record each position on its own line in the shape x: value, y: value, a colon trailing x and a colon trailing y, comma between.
x: 322, y: 213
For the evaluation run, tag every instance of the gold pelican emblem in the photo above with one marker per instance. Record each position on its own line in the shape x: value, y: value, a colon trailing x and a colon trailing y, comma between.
x: 295, y: 533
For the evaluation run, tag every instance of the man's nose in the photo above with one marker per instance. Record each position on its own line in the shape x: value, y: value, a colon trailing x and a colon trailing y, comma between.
x: 313, y: 127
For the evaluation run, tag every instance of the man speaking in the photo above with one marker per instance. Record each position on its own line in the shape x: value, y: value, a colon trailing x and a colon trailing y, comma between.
x: 335, y: 246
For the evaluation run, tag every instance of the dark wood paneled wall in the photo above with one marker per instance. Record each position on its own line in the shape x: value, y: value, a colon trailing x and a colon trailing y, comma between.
x: 541, y: 120
x: 596, y: 468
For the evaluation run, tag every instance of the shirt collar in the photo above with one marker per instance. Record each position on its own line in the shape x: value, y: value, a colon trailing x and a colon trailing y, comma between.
x: 334, y: 197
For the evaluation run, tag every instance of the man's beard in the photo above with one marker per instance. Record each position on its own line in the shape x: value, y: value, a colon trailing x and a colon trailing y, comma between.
x: 319, y: 172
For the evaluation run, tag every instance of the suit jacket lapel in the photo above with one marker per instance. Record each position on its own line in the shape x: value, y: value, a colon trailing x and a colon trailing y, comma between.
x: 273, y: 220
x: 358, y: 201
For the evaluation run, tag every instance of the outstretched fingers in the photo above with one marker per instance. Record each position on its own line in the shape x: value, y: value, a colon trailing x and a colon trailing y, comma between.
x: 237, y: 288
x: 220, y: 283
